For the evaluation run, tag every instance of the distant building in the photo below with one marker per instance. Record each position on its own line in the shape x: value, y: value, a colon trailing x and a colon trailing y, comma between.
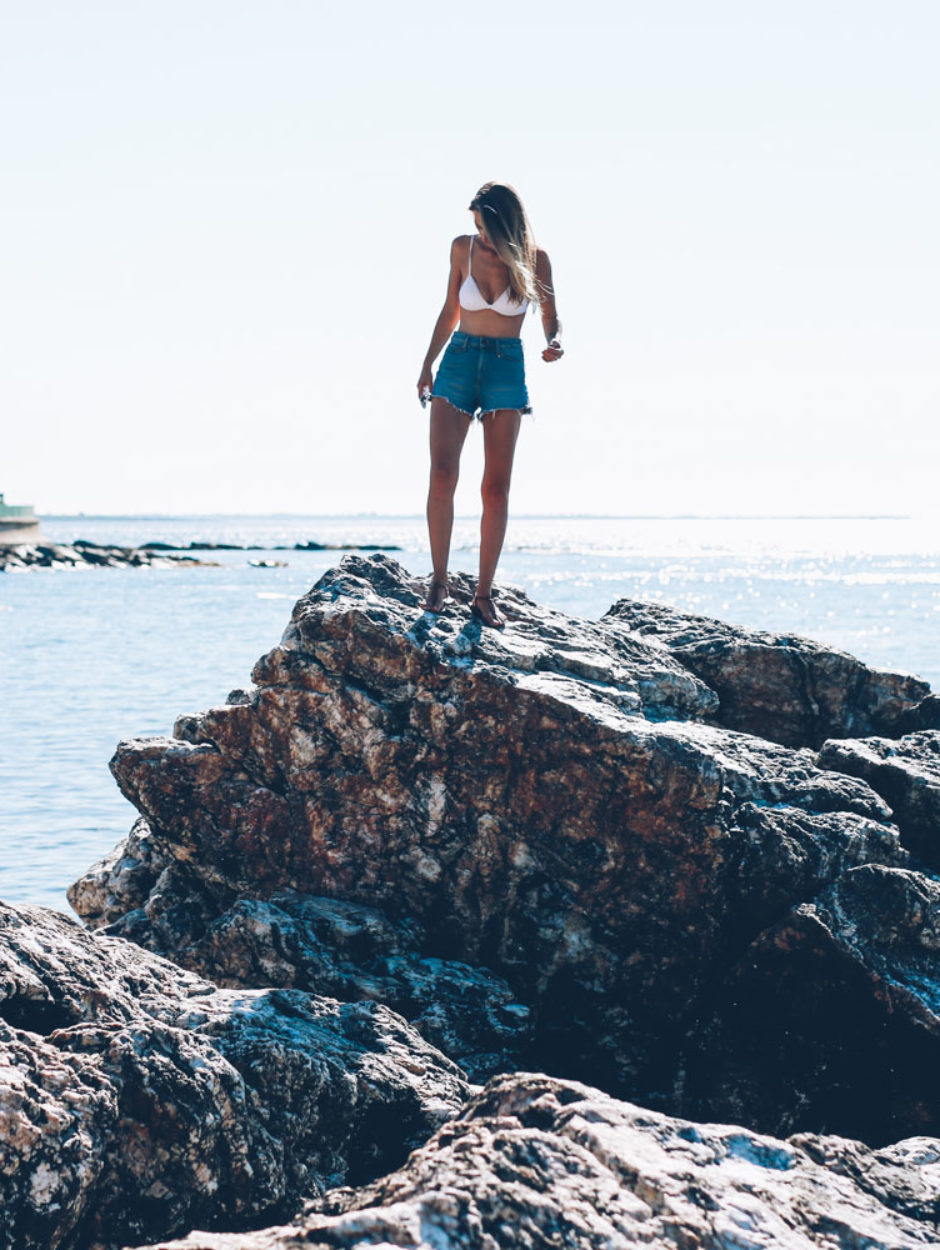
x: 18, y: 523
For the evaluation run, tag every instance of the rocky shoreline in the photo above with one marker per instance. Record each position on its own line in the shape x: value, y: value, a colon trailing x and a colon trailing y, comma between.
x: 83, y: 554
x: 310, y: 545
x: 627, y: 929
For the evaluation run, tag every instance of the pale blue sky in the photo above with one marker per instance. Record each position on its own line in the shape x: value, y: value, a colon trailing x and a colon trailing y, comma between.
x: 225, y: 229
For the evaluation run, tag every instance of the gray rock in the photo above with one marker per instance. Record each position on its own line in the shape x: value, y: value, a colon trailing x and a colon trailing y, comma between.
x: 779, y: 686
x: 534, y: 1162
x: 122, y: 881
x: 906, y: 773
x: 926, y: 715
x: 350, y: 952
x: 137, y: 1099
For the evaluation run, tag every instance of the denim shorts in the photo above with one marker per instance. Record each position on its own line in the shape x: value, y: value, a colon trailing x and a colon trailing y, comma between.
x: 479, y: 374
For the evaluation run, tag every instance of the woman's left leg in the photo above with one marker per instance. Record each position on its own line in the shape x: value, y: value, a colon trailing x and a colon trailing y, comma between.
x: 500, y: 431
x: 448, y: 430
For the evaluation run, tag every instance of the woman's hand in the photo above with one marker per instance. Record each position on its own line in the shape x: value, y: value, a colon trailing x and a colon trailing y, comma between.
x: 425, y: 382
x: 554, y: 351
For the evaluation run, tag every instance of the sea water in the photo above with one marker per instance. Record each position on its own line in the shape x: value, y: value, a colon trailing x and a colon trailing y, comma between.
x: 93, y: 655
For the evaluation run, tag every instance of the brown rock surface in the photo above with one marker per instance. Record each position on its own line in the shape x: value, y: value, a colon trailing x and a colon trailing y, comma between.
x: 122, y: 881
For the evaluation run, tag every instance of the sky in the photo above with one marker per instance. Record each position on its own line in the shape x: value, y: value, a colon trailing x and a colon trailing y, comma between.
x: 225, y: 225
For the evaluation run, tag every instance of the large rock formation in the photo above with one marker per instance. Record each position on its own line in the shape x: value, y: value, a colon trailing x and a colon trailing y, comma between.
x: 534, y: 1162
x: 138, y: 1100
x: 551, y: 847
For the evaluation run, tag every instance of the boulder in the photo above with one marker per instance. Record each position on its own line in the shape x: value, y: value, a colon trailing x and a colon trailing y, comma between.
x: 534, y: 1162
x: 550, y: 806
x: 138, y: 1100
x: 906, y: 773
x: 779, y: 686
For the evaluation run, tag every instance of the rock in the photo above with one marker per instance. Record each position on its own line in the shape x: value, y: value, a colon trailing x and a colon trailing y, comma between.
x: 203, y: 546
x: 926, y: 715
x: 906, y: 773
x: 198, y: 546
x: 535, y: 1162
x: 311, y: 545
x: 85, y: 553
x: 779, y: 686
x: 547, y: 804
x: 344, y: 951
x: 122, y: 881
x: 838, y: 1001
x: 137, y: 1099
x: 58, y: 1120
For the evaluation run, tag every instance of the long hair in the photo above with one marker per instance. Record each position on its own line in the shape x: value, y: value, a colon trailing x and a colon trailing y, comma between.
x: 508, y: 229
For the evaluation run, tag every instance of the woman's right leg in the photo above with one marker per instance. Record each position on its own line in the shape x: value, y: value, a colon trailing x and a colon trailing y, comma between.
x: 448, y: 430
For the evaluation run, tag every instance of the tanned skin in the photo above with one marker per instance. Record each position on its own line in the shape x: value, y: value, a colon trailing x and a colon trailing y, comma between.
x: 500, y: 428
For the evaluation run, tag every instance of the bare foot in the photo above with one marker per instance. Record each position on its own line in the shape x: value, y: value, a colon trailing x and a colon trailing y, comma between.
x: 485, y: 610
x: 436, y: 596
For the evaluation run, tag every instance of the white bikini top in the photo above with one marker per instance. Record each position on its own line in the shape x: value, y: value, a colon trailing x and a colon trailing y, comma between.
x: 471, y: 298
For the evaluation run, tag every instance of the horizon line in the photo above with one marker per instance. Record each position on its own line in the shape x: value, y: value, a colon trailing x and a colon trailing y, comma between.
x: 519, y: 516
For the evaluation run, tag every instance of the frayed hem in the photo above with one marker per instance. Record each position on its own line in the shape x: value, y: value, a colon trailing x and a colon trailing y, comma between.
x: 478, y: 415
x: 450, y: 403
x: 523, y: 412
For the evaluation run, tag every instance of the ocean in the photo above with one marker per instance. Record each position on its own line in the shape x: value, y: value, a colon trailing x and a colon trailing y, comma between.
x: 93, y: 655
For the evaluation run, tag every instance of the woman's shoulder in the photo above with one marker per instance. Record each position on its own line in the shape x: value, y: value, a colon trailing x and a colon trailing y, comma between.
x: 542, y: 264
x: 459, y: 247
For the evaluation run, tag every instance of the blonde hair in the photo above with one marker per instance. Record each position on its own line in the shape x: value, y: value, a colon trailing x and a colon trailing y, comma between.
x: 508, y: 229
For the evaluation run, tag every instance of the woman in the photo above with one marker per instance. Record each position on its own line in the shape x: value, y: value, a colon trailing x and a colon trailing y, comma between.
x: 494, y: 276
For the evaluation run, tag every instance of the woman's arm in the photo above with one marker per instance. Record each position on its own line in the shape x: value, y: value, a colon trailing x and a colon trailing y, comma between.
x: 550, y: 323
x: 449, y: 316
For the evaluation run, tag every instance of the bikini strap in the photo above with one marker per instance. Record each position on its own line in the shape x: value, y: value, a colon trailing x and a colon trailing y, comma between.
x: 470, y: 259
